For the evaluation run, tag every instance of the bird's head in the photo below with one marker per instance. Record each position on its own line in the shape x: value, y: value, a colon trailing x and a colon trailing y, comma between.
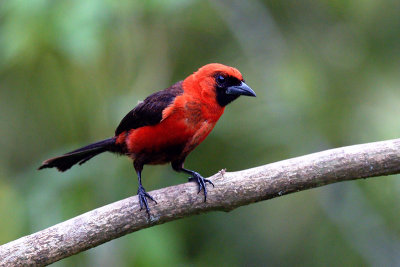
x: 219, y: 82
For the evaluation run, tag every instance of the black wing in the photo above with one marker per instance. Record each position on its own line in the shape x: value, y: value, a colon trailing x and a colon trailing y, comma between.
x: 149, y: 112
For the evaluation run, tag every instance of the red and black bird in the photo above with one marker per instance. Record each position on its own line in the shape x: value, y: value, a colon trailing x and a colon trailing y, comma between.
x: 168, y: 125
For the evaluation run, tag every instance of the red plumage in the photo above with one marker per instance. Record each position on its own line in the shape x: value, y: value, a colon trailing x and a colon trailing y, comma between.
x: 168, y: 124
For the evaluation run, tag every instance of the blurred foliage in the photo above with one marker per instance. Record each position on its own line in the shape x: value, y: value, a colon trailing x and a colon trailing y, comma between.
x: 326, y: 73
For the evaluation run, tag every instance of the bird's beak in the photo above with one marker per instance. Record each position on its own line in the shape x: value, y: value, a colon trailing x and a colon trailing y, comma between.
x: 242, y: 89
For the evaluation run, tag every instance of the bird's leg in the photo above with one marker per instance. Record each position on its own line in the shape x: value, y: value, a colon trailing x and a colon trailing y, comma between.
x: 196, y: 177
x: 143, y: 195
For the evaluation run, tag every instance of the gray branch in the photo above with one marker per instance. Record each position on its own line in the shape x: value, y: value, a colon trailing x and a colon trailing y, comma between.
x: 232, y: 190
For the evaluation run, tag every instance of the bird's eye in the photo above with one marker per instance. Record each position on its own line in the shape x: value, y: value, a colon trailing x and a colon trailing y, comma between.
x: 220, y: 80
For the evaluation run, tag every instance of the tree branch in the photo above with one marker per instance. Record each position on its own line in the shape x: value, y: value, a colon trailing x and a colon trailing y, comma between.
x: 231, y: 190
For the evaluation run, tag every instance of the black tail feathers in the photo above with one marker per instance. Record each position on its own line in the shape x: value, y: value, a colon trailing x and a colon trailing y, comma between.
x: 81, y: 155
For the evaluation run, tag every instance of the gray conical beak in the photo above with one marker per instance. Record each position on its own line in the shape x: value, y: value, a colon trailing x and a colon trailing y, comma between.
x: 242, y: 89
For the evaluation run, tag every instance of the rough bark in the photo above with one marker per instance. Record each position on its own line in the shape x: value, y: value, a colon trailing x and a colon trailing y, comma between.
x: 232, y: 189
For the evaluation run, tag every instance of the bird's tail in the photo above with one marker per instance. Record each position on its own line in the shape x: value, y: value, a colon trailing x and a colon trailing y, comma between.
x: 81, y: 155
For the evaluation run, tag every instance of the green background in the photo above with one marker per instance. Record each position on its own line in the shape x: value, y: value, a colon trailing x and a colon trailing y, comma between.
x: 326, y: 74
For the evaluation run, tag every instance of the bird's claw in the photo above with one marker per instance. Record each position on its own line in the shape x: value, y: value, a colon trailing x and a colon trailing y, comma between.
x: 201, y: 182
x: 143, y: 196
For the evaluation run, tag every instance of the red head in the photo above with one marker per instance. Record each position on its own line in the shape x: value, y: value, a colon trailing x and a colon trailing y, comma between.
x: 217, y: 82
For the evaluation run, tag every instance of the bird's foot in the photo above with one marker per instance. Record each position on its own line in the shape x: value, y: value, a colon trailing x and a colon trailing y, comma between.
x: 196, y: 177
x: 143, y: 196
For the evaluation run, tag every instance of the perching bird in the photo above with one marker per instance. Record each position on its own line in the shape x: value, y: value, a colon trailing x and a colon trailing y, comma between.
x: 168, y: 125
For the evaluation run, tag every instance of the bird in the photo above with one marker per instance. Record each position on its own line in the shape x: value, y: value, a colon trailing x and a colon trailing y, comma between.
x: 167, y: 126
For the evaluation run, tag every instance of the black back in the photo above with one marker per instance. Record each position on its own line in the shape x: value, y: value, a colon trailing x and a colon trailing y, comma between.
x: 149, y: 112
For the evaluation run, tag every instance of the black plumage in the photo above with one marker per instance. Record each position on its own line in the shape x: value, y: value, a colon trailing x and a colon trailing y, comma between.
x: 149, y: 112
